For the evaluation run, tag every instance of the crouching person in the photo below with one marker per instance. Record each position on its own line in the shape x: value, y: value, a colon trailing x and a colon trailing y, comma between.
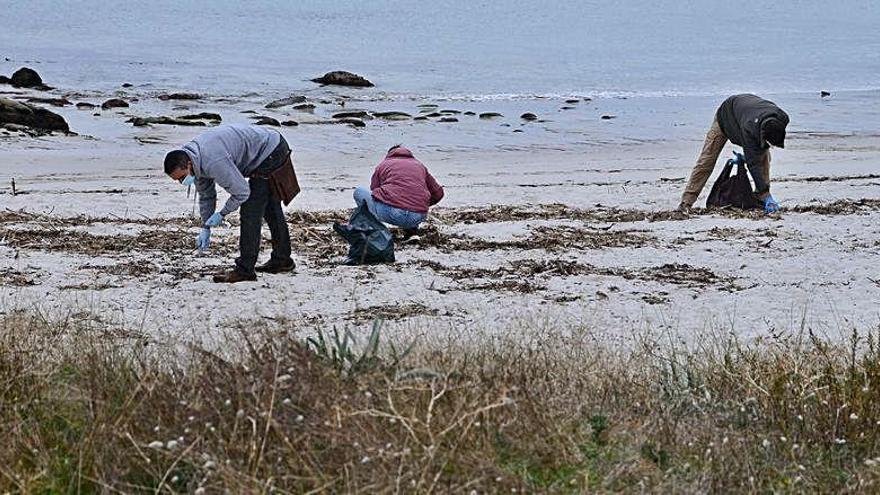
x: 253, y: 165
x: 401, y: 191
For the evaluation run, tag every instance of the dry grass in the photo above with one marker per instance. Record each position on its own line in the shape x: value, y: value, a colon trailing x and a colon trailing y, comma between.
x: 85, y: 406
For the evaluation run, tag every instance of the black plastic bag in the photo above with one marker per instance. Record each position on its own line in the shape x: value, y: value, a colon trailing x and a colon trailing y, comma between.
x: 736, y: 191
x: 369, y: 240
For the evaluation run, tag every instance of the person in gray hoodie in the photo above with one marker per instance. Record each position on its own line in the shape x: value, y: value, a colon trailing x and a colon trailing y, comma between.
x: 238, y: 158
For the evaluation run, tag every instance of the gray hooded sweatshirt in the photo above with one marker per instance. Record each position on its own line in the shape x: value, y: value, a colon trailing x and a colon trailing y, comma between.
x: 225, y: 155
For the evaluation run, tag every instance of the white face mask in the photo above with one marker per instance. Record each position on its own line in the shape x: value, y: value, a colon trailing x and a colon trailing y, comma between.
x: 189, y: 180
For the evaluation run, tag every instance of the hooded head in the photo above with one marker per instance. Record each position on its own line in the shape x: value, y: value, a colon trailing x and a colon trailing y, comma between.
x: 773, y: 131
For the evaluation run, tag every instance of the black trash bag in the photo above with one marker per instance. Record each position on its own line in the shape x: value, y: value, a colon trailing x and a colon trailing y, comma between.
x: 369, y: 240
x: 736, y: 191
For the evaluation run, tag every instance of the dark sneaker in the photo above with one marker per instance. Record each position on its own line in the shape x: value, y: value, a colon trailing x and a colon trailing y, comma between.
x: 407, y: 233
x: 273, y: 267
x: 232, y: 277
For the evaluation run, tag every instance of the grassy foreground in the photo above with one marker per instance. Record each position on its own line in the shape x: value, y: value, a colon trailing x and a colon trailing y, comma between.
x: 86, y: 408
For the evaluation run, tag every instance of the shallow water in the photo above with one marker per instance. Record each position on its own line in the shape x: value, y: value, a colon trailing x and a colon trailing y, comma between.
x: 451, y: 47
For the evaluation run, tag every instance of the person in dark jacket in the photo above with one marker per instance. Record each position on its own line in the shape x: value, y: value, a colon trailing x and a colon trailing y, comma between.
x: 238, y: 158
x: 401, y: 191
x: 748, y: 121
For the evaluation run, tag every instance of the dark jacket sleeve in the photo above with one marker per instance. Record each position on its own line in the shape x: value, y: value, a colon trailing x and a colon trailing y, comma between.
x: 434, y: 188
x: 754, y: 154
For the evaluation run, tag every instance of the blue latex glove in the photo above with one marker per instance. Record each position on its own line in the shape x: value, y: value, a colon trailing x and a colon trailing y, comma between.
x: 738, y: 158
x: 770, y: 205
x: 204, y: 239
x: 214, y: 220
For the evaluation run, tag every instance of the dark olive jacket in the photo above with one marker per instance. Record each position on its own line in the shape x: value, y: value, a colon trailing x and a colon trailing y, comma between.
x: 740, y: 118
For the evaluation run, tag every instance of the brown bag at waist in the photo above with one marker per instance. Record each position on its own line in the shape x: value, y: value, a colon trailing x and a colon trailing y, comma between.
x: 282, y: 182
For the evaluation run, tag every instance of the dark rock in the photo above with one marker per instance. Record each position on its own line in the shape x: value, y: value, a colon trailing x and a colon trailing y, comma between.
x: 343, y: 78
x: 566, y: 108
x: 608, y: 117
x: 353, y: 122
x: 13, y: 112
x: 572, y: 102
x: 450, y: 112
x: 434, y: 115
x: 470, y: 114
x: 5, y: 80
x: 354, y: 114
x: 448, y: 120
x: 55, y: 102
x: 528, y: 116
x: 27, y: 78
x: 490, y: 115
x: 23, y: 129
x: 290, y: 123
x: 202, y: 116
x: 114, y: 103
x: 85, y: 105
x: 588, y: 99
x: 420, y: 117
x: 127, y: 85
x: 505, y: 125
x: 180, y: 96
x: 517, y: 130
x: 824, y: 94
x: 428, y: 105
x: 96, y: 114
x: 283, y: 102
x: 144, y: 121
x: 248, y: 111
x: 263, y: 120
x: 392, y: 115
x: 305, y: 107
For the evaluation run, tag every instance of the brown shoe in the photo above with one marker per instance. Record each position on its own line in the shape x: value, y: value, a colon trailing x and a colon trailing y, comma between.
x: 273, y: 267
x: 232, y: 277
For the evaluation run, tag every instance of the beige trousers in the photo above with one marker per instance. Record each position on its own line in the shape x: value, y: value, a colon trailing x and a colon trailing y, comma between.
x: 715, y: 141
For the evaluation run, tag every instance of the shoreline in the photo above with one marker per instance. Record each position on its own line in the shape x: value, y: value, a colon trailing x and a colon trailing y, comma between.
x: 671, y: 276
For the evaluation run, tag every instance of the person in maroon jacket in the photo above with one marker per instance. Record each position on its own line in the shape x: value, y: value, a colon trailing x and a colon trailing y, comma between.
x: 401, y: 190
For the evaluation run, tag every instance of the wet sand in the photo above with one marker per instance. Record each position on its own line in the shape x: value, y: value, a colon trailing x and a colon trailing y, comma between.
x: 530, y: 225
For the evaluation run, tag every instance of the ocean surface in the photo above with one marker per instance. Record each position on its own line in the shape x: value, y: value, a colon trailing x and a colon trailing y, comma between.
x: 451, y: 48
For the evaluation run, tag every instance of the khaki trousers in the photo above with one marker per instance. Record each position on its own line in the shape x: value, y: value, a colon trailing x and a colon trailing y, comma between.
x: 715, y: 141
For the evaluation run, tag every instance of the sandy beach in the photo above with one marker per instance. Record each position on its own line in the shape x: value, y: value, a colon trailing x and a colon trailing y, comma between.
x: 531, y: 224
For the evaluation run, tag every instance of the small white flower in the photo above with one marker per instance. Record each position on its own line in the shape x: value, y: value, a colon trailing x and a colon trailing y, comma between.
x: 156, y: 445
x: 299, y: 418
x: 368, y: 394
x: 801, y: 467
x: 284, y: 378
x: 191, y: 418
x: 227, y: 402
x: 286, y: 402
x: 209, y: 465
x: 724, y: 441
x: 839, y: 441
x: 870, y: 462
x: 199, y: 491
x: 800, y: 418
x: 171, y: 445
x: 765, y: 443
x: 365, y: 460
x: 174, y: 479
x: 239, y: 413
x: 853, y: 417
x: 783, y: 439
